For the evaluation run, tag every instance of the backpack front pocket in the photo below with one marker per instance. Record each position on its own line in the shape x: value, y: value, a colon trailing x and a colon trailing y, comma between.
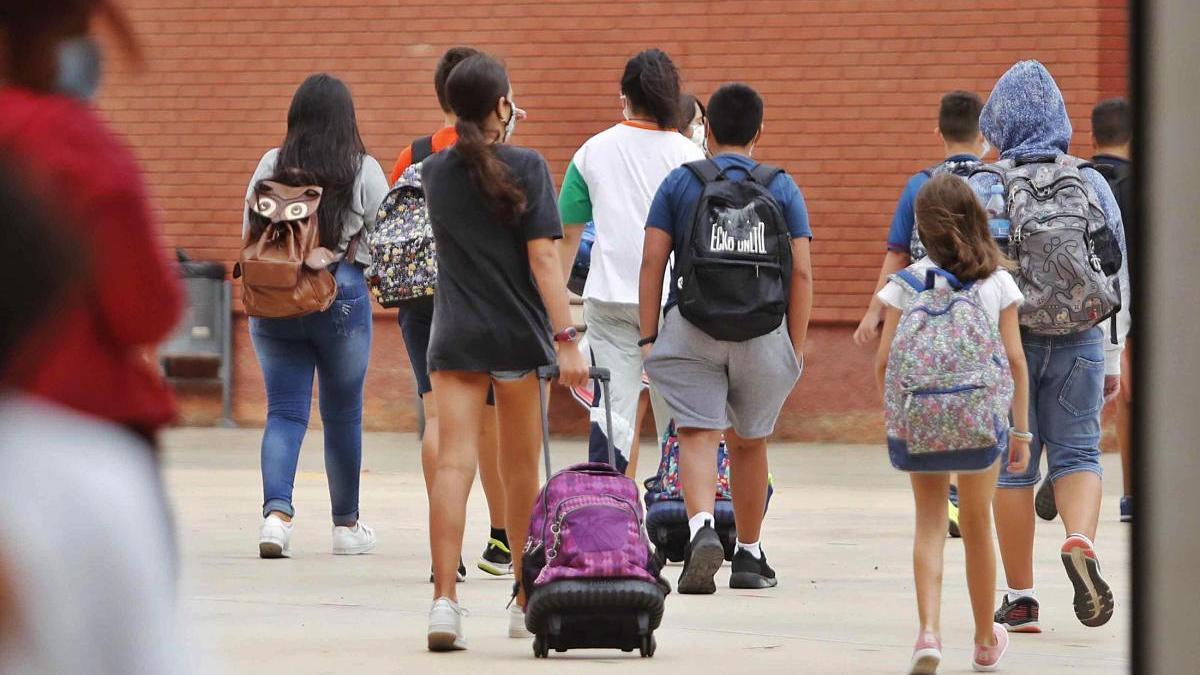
x: 950, y: 412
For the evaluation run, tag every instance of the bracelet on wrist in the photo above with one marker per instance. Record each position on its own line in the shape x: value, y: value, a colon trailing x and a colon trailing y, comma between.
x: 1020, y: 435
x: 647, y: 340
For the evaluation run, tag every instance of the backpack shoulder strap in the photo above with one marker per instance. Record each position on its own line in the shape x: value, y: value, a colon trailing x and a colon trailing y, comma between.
x: 422, y: 148
x: 911, y: 279
x: 763, y: 174
x: 705, y: 170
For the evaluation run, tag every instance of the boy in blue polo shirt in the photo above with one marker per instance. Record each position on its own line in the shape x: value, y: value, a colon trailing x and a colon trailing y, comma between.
x: 717, y: 386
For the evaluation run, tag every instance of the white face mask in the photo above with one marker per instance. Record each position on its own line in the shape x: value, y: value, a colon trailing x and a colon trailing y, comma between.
x: 699, y: 137
x: 511, y: 125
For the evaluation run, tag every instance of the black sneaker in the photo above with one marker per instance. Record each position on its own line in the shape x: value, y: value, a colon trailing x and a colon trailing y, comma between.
x: 1044, y: 504
x: 1019, y: 616
x: 461, y: 576
x: 751, y: 572
x: 701, y: 560
x: 496, y: 559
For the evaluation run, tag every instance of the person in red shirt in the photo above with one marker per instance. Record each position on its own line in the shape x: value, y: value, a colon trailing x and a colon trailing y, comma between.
x: 92, y: 354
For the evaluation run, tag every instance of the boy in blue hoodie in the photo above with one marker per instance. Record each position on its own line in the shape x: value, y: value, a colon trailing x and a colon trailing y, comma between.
x: 1025, y: 118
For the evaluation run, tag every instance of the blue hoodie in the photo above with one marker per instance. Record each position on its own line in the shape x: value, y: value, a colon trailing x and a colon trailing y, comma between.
x: 1025, y: 116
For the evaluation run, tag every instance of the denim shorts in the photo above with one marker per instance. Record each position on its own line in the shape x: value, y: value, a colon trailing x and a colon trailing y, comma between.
x: 1066, y: 393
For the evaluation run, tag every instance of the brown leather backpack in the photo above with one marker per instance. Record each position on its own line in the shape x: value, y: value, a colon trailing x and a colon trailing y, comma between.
x: 283, y: 267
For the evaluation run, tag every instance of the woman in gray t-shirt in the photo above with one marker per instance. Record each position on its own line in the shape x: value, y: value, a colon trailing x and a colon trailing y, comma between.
x: 501, y: 308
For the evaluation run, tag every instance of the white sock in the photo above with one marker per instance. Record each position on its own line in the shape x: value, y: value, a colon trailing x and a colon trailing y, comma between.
x: 754, y: 549
x: 1014, y: 593
x: 696, y: 522
x: 1083, y: 537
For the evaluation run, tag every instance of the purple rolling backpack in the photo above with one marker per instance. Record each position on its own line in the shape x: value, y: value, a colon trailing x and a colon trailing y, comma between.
x: 587, y: 569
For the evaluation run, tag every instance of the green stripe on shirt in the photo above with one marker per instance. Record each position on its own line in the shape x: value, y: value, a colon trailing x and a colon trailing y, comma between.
x: 574, y: 202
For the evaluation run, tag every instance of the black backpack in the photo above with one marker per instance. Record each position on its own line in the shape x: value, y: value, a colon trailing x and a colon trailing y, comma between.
x: 735, y: 270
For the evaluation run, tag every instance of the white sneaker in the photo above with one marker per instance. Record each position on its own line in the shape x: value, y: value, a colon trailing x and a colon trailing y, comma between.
x: 445, y: 626
x: 275, y: 538
x: 353, y: 541
x: 516, y: 623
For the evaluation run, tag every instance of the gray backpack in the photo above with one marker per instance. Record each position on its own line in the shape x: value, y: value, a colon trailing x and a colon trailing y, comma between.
x: 1067, y: 257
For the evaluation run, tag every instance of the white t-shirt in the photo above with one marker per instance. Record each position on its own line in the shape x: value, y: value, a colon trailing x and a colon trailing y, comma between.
x: 622, y: 168
x: 996, y: 293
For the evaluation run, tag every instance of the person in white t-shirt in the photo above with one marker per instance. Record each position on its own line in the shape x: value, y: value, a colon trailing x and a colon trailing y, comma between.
x: 954, y: 229
x: 611, y: 181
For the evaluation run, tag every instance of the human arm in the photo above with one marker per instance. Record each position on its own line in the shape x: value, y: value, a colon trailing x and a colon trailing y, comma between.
x: 374, y: 189
x: 575, y: 209
x: 800, y: 299
x: 868, y: 328
x: 656, y: 250
x: 1115, y: 223
x: 891, y: 319
x: 1010, y: 334
x: 899, y: 255
x: 402, y: 162
x: 544, y: 264
x: 541, y: 229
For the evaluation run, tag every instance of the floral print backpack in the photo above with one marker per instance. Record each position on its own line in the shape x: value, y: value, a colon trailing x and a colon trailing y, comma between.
x: 948, y: 387
x: 403, y: 254
x: 665, y: 484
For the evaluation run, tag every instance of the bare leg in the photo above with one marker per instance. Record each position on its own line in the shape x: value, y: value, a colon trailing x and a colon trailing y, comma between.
x: 1078, y: 497
x: 636, y: 446
x: 1125, y: 419
x: 1013, y: 509
x: 929, y: 540
x: 429, y: 441
x: 698, y: 469
x: 461, y: 396
x: 975, y: 493
x: 520, y: 430
x: 747, y: 483
x: 489, y: 469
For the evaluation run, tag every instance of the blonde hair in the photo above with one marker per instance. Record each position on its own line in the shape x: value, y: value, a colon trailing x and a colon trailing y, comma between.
x: 954, y: 229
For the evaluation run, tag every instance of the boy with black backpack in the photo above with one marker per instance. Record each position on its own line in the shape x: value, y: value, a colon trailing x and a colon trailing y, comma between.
x: 1057, y: 219
x: 731, y: 347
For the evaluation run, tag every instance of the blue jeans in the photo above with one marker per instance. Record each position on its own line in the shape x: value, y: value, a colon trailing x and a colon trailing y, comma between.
x: 1066, y: 392
x: 336, y: 344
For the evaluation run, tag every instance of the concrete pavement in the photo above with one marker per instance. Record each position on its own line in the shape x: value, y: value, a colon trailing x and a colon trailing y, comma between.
x: 838, y: 533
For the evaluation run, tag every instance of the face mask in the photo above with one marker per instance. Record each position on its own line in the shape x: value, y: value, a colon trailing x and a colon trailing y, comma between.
x: 511, y: 124
x: 987, y: 147
x: 699, y: 137
x: 78, y: 68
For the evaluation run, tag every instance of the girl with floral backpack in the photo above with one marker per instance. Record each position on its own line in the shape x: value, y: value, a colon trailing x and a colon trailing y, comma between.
x: 952, y: 371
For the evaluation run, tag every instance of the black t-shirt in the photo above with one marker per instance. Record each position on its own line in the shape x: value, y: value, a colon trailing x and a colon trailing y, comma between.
x: 1119, y: 174
x: 488, y: 314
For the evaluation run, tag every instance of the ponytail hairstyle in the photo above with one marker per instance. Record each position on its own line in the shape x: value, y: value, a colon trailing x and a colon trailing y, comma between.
x: 954, y: 229
x: 473, y: 89
x: 651, y: 85
x: 323, y: 143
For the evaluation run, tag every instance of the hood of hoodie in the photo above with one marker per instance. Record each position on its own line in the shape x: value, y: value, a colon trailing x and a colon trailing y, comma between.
x: 1025, y: 115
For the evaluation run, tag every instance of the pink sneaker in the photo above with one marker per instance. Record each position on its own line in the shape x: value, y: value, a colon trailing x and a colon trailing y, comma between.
x: 987, y: 659
x: 927, y: 654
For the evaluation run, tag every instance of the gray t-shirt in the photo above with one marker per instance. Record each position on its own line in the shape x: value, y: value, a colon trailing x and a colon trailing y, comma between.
x: 370, y: 187
x: 488, y: 314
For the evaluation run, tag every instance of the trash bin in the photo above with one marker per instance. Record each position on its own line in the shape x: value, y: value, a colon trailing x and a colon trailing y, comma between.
x: 201, y: 349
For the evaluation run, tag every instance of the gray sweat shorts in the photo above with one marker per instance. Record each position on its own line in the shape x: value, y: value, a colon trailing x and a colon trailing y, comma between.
x: 713, y: 384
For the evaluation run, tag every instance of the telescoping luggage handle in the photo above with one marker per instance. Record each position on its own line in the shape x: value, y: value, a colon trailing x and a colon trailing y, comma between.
x: 602, y: 376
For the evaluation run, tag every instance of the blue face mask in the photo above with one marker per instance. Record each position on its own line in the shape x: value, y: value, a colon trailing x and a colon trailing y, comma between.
x: 79, y: 68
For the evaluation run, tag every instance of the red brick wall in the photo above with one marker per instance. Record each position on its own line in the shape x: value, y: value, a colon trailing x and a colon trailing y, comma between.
x: 851, y: 89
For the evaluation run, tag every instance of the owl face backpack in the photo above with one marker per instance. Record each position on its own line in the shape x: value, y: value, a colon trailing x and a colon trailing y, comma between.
x: 284, y: 269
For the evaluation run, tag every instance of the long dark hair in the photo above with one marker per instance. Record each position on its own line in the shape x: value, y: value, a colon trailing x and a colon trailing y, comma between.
x: 472, y: 91
x: 954, y: 229
x: 323, y: 141
x: 651, y: 85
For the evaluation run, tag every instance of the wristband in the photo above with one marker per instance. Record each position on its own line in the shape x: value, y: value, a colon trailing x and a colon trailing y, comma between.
x: 647, y: 340
x: 1020, y: 435
x: 568, y: 334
